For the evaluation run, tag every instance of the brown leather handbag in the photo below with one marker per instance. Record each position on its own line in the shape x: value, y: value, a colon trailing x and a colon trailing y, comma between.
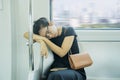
x: 80, y: 60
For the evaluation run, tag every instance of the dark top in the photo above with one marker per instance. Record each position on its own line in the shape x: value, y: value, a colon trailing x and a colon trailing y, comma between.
x: 63, y: 62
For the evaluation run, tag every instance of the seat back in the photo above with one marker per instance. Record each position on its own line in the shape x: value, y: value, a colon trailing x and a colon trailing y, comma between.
x: 41, y: 64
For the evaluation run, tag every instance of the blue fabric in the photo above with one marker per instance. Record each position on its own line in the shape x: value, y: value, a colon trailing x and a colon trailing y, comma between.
x: 65, y: 75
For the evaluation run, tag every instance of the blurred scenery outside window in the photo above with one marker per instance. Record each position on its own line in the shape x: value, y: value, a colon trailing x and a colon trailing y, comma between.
x: 87, y: 13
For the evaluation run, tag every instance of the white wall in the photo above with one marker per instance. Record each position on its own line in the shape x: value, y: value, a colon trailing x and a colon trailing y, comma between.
x: 105, y: 57
x: 104, y: 48
x: 5, y: 41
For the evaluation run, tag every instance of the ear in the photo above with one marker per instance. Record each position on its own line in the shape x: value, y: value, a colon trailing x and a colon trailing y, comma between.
x: 51, y: 23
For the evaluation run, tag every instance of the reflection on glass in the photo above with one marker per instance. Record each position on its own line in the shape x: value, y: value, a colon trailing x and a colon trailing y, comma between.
x: 87, y: 13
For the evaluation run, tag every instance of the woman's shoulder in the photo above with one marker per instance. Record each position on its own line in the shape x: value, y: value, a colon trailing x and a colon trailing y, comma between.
x: 68, y: 31
x: 67, y: 27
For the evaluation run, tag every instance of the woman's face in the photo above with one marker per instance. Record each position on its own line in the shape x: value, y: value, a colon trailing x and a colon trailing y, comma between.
x: 49, y: 32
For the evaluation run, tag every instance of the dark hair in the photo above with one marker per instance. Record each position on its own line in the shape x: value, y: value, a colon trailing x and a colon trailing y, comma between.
x: 40, y: 23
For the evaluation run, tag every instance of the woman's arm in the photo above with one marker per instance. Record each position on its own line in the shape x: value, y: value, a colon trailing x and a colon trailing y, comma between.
x: 60, y: 51
x: 44, y: 51
x: 26, y: 35
x: 43, y: 48
x: 66, y: 45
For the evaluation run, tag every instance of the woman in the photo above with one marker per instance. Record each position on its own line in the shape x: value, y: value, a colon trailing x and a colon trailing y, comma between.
x: 60, y: 40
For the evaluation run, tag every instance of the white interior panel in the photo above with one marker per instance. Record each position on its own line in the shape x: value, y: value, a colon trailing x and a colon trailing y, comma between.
x: 105, y: 57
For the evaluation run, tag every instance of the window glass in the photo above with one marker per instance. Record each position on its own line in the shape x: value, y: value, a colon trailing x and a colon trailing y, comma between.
x: 87, y: 14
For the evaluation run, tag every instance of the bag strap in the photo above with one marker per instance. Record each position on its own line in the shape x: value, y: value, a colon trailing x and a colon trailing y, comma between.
x: 69, y: 52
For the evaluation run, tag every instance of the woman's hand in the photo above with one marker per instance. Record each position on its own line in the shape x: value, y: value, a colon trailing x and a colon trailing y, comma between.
x: 38, y: 38
x: 43, y: 48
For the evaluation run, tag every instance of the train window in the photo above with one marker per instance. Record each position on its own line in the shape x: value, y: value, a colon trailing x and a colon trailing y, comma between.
x: 86, y: 14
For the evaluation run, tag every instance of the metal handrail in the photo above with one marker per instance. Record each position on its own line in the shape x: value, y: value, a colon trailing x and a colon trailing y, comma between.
x: 31, y: 55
